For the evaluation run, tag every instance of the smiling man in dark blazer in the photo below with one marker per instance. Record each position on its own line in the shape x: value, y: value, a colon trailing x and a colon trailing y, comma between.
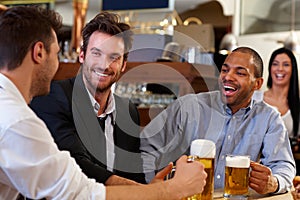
x: 100, y: 129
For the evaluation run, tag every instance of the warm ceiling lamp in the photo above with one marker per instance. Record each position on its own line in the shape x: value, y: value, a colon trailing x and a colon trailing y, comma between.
x: 228, y: 43
x: 292, y: 40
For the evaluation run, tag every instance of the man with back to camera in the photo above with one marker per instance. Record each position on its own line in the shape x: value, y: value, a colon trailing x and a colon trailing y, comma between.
x: 233, y: 120
x: 75, y: 108
x: 31, y: 163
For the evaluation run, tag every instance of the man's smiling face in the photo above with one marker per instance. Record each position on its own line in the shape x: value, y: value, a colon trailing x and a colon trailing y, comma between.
x: 237, y: 81
x: 103, y: 61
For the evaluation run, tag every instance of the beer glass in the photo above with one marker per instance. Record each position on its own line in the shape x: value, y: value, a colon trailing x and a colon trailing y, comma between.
x: 204, y: 151
x: 237, y: 176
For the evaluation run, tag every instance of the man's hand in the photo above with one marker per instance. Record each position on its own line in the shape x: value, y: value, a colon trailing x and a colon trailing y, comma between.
x: 261, y: 179
x: 296, y: 192
x: 190, y: 175
x: 160, y: 176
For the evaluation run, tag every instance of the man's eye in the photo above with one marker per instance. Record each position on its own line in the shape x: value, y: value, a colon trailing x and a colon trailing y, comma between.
x: 241, y: 74
x: 96, y: 53
x: 115, y: 58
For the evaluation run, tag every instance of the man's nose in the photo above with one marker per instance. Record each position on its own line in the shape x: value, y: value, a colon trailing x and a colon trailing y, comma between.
x: 105, y: 62
x: 229, y: 75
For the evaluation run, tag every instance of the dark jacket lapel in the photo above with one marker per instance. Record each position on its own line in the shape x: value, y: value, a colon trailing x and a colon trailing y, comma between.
x: 86, y: 122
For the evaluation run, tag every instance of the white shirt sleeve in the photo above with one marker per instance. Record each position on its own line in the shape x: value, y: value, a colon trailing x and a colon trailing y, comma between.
x: 32, y: 164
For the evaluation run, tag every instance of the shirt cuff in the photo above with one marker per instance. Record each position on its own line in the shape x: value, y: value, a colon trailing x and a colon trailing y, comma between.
x: 282, y: 186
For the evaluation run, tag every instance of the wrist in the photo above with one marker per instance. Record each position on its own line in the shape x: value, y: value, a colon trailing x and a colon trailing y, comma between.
x: 174, y: 189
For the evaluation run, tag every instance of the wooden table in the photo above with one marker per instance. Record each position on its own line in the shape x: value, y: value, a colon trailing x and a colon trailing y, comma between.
x: 218, y: 194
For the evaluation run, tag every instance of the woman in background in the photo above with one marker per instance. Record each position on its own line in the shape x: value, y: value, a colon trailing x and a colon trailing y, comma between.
x: 283, y: 88
x: 283, y: 92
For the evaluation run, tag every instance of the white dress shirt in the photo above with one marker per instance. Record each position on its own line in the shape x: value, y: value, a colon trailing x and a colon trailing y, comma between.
x: 110, y: 112
x: 30, y: 162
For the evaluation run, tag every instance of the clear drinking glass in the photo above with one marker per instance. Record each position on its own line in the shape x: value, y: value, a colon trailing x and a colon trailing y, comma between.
x: 237, y: 176
x: 204, y: 151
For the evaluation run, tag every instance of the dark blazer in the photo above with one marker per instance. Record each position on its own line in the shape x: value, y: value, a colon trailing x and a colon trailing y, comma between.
x: 71, y: 119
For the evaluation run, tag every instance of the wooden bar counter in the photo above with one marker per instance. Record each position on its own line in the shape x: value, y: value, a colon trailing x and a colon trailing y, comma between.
x: 191, y: 78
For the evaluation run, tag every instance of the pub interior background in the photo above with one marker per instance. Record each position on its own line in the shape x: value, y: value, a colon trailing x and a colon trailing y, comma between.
x: 265, y: 22
x: 262, y: 25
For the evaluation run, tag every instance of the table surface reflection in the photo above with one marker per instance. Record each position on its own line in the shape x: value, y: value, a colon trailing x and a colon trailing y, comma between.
x: 218, y: 194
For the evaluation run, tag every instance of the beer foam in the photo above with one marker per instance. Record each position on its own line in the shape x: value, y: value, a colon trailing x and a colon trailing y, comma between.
x: 238, y: 161
x: 203, y: 148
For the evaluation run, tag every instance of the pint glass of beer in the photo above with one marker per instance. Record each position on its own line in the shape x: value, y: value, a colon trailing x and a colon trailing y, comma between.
x: 204, y: 151
x: 236, y: 176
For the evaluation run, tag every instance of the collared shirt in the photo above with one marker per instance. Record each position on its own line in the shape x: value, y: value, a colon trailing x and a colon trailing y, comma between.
x: 30, y: 160
x: 110, y: 112
x: 257, y: 131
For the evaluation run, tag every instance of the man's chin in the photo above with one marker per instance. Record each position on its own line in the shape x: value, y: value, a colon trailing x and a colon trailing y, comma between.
x: 227, y: 100
x: 103, y: 87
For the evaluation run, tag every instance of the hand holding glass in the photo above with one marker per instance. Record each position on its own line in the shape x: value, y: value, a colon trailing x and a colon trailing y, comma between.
x: 204, y: 151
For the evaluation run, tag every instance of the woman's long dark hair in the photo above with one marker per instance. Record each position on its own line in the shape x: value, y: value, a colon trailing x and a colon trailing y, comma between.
x: 293, y: 94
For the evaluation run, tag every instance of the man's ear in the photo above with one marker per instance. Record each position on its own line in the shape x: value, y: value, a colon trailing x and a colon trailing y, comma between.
x: 124, y: 66
x: 258, y: 83
x: 81, y: 56
x: 38, y: 51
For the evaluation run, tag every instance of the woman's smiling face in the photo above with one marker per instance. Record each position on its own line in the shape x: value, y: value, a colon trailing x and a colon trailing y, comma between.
x: 281, y: 70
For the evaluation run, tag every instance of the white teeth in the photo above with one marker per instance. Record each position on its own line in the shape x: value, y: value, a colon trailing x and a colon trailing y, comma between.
x: 279, y: 75
x: 229, y: 87
x: 100, y: 74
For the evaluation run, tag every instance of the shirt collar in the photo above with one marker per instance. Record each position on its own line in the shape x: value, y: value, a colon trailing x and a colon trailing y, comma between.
x: 242, y: 111
x: 111, y: 106
x: 7, y: 84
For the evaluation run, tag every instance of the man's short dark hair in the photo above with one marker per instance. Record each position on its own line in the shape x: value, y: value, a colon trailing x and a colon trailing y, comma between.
x: 109, y: 23
x: 20, y: 28
x: 258, y: 63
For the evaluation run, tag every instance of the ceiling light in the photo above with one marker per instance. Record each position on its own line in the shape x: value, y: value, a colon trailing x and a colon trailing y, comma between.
x: 228, y: 43
x: 292, y: 42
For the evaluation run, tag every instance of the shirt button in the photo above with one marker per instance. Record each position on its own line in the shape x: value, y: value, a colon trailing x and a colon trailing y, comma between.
x: 218, y: 176
x: 229, y: 137
x: 222, y: 157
